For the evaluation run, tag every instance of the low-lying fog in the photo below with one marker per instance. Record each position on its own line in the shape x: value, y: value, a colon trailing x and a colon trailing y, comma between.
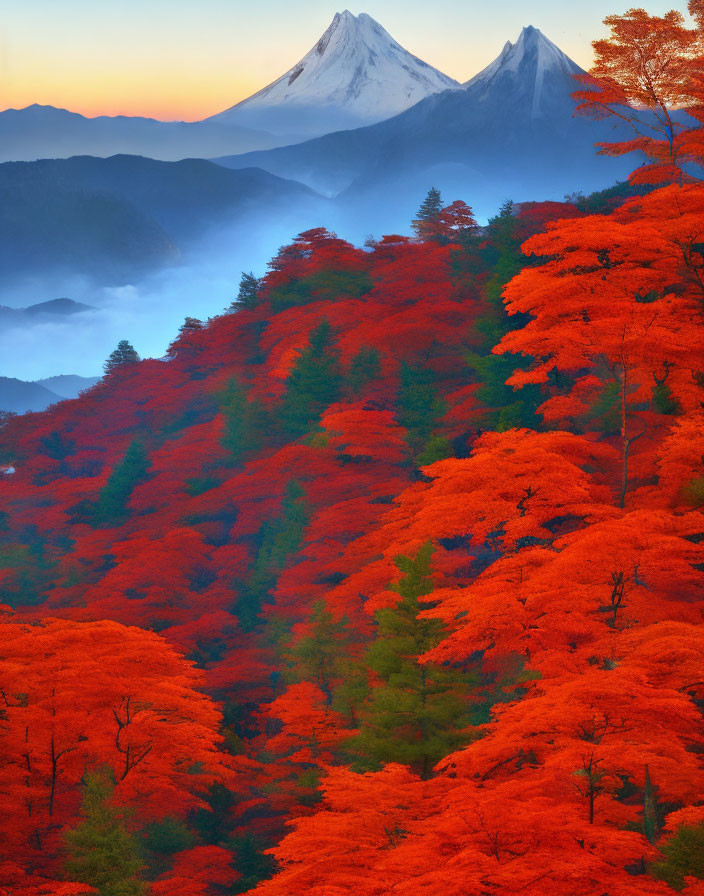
x: 147, y: 312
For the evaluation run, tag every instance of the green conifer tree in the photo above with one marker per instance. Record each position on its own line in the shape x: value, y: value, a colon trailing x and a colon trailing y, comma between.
x: 123, y: 354
x: 364, y: 368
x: 248, y: 294
x: 664, y: 402
x: 101, y: 850
x: 428, y: 214
x: 419, y: 712
x: 245, y: 421
x: 683, y: 856
x: 605, y: 411
x: 316, y: 656
x: 279, y: 537
x: 324, y: 656
x: 214, y: 822
x: 57, y: 446
x: 508, y: 408
x: 190, y: 325
x: 419, y: 409
x: 314, y: 382
x: 251, y: 861
x: 112, y: 500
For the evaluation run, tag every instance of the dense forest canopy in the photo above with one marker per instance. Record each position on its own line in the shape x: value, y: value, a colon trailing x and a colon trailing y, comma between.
x: 389, y: 579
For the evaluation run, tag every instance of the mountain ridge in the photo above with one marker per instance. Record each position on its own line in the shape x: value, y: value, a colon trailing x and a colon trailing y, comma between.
x: 355, y: 74
x: 43, y: 131
x: 531, y: 48
x: 369, y: 78
x: 126, y: 215
x: 20, y: 396
x: 511, y: 128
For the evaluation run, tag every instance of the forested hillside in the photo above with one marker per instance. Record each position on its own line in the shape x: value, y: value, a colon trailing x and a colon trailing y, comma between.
x: 390, y: 579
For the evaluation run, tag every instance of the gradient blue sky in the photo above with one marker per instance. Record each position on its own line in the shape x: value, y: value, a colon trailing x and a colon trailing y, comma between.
x: 191, y: 58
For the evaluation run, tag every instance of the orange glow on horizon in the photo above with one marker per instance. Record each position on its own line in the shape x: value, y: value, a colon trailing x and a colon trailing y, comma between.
x: 166, y: 81
x: 188, y: 101
x: 188, y: 65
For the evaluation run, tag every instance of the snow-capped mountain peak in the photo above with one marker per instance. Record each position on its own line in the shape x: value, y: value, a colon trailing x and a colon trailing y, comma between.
x: 534, y: 61
x: 356, y: 74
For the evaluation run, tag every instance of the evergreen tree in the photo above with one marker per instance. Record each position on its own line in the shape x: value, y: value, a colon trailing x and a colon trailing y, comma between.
x: 248, y: 294
x: 279, y: 537
x: 314, y: 382
x: 664, y: 401
x: 245, y: 421
x: 326, y: 284
x: 101, y: 851
x: 364, y: 368
x: 323, y: 657
x: 184, y: 346
x: 190, y: 324
x: 251, y: 861
x: 318, y: 655
x: 419, y: 712
x: 507, y: 408
x: 57, y: 446
x: 606, y: 409
x: 315, y: 657
x: 112, y: 500
x: 506, y: 208
x: 436, y: 448
x: 419, y: 409
x: 428, y: 215
x: 168, y: 836
x: 506, y: 260
x: 684, y: 856
x: 123, y: 354
x: 213, y: 823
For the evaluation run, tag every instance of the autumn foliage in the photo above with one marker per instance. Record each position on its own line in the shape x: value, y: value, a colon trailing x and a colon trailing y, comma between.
x: 390, y: 579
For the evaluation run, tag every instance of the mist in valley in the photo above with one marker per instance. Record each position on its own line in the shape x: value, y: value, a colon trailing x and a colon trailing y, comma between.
x: 147, y: 311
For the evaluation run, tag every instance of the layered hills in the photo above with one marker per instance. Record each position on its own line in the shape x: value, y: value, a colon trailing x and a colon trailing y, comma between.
x: 116, y: 219
x: 20, y: 396
x: 510, y: 131
x: 355, y: 74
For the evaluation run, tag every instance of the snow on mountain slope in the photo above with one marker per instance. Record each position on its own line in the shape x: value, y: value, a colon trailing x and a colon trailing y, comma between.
x: 510, y: 131
x: 517, y: 111
x: 532, y: 61
x: 355, y: 75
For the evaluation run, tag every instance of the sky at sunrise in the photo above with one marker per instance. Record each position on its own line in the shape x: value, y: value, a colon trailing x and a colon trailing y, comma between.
x: 174, y: 59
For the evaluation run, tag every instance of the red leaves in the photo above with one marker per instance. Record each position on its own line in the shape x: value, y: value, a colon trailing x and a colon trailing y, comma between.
x: 201, y: 871
x: 362, y: 432
x: 576, y: 621
x: 618, y: 299
x: 645, y: 74
x: 76, y: 696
